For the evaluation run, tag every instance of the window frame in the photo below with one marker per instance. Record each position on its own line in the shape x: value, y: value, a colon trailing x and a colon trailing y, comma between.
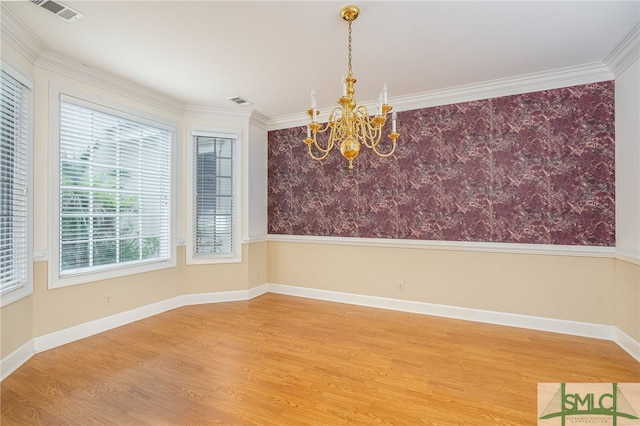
x: 26, y: 289
x: 235, y: 256
x: 57, y: 96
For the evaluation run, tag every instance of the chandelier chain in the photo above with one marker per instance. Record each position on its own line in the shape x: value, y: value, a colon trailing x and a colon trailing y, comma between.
x: 350, y: 70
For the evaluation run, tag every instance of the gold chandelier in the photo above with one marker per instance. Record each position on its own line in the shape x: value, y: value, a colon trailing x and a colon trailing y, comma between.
x: 350, y: 125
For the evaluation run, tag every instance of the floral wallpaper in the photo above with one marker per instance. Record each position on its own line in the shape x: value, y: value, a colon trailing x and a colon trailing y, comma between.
x: 530, y: 168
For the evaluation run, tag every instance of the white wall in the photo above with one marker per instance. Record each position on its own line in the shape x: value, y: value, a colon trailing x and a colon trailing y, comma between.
x: 628, y: 161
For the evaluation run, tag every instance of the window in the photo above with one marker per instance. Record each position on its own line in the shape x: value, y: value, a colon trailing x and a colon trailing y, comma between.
x: 214, y: 183
x: 15, y: 229
x: 114, y: 191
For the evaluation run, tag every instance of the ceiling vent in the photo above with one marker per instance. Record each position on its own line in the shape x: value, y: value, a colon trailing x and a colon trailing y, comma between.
x: 61, y: 10
x: 240, y: 100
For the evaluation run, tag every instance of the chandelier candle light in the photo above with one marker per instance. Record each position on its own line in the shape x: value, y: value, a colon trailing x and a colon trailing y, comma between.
x: 350, y: 125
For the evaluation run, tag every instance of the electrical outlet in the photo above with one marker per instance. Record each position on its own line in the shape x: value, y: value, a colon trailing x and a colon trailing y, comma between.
x: 107, y: 299
x: 400, y: 286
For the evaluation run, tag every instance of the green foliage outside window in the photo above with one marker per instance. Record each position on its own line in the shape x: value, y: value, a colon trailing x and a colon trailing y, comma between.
x: 100, y: 225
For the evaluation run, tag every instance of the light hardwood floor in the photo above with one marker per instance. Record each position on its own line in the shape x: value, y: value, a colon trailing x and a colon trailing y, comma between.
x: 281, y: 360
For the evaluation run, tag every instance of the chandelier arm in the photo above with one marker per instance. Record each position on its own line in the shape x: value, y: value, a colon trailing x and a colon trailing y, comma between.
x: 363, y: 130
x: 328, y: 123
x: 362, y: 110
x: 393, y: 148
x: 335, y: 116
x: 373, y: 137
x: 315, y: 140
x: 332, y: 135
x: 321, y: 157
x: 321, y: 149
x: 339, y: 130
x: 323, y: 129
x: 370, y: 134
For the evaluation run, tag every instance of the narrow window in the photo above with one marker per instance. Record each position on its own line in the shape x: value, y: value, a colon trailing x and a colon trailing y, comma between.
x: 14, y: 196
x: 214, y: 226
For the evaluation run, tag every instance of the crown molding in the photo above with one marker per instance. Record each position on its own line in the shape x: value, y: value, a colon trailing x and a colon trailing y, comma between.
x: 535, y: 82
x: 259, y: 120
x: 19, y: 37
x: 290, y: 120
x: 626, y: 53
x: 208, y: 112
x: 56, y: 63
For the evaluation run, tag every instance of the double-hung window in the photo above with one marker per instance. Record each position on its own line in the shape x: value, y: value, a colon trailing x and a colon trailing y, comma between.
x: 214, y: 182
x: 114, y: 193
x: 15, y: 227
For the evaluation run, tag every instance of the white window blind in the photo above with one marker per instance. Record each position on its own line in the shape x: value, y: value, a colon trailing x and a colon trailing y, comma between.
x: 14, y: 223
x: 214, y: 223
x: 115, y: 190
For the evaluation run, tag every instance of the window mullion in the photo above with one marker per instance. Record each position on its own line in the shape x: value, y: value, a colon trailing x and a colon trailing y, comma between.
x: 141, y: 209
x: 118, y: 211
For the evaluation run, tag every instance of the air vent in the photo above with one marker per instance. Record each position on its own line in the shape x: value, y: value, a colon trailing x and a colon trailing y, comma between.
x: 61, y: 10
x: 240, y: 100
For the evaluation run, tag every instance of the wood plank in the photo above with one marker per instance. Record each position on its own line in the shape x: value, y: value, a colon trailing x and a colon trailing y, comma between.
x: 282, y: 360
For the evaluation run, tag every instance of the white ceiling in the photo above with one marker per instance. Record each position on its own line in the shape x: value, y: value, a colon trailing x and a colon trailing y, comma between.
x: 274, y: 53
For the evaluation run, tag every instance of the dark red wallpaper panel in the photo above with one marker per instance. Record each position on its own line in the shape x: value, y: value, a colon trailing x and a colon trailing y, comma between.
x: 531, y: 168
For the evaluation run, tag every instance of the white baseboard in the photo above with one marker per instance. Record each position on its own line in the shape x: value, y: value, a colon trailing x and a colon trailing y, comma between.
x: 500, y: 318
x: 15, y: 359
x: 77, y: 332
x: 625, y: 341
x: 42, y: 343
x: 258, y: 291
x: 222, y: 296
